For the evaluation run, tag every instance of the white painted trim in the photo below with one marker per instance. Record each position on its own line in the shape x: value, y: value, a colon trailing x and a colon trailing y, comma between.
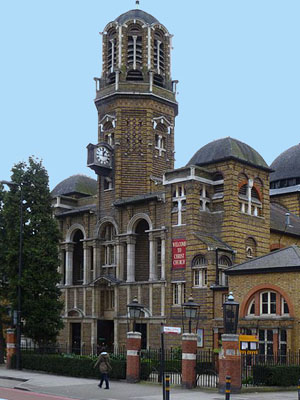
x: 134, y: 353
x: 189, y: 356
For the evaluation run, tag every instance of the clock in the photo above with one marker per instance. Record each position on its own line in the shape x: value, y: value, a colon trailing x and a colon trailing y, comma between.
x: 103, y: 155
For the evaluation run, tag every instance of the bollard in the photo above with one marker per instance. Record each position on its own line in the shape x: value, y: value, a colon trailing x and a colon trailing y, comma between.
x: 227, y: 389
x: 167, y: 387
x: 299, y: 389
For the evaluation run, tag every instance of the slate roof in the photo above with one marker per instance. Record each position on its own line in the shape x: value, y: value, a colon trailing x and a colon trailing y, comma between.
x: 80, y: 184
x: 283, y: 260
x: 78, y: 210
x: 287, y: 164
x: 226, y: 149
x: 212, y: 241
x: 136, y: 14
x: 278, y: 220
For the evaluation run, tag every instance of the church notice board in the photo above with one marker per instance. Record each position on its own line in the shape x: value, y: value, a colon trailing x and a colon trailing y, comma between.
x: 178, y: 253
x: 248, y: 344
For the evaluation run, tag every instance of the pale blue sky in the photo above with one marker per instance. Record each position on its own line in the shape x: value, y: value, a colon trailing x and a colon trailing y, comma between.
x: 237, y: 62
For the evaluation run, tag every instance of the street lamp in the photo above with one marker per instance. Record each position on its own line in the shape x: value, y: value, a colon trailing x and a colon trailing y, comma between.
x: 18, y: 350
x: 231, y: 314
x: 190, y: 311
x: 134, y: 311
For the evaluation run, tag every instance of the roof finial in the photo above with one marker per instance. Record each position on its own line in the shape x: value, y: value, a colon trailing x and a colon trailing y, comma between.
x: 137, y: 3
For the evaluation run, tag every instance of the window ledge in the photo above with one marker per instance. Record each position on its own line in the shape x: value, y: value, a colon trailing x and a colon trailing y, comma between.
x: 200, y: 287
x: 265, y: 317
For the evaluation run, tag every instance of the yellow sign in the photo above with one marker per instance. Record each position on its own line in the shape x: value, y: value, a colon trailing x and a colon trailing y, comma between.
x: 248, y: 344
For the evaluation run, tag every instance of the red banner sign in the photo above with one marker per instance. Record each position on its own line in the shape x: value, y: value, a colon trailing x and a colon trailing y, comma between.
x: 178, y: 253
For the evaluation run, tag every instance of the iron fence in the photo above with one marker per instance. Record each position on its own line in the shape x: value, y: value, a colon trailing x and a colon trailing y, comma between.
x: 254, y: 366
x: 207, y: 369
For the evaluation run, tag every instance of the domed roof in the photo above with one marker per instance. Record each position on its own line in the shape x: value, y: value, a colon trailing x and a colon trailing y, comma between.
x: 225, y: 149
x: 79, y: 184
x: 287, y: 164
x: 136, y: 14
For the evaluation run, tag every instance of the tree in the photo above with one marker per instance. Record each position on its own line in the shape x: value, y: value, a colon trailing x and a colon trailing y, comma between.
x: 41, y: 305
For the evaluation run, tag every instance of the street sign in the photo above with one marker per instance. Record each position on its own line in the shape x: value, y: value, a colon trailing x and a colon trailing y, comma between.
x: 172, y: 329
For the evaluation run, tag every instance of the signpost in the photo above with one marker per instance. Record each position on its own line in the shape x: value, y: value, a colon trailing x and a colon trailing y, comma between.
x: 169, y: 330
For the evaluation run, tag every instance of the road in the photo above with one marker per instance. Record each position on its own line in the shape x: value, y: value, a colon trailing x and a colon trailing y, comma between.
x: 16, y: 394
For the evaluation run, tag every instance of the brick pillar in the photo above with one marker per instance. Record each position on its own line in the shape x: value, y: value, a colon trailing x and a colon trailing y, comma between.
x: 11, y: 348
x: 189, y: 351
x: 230, y: 363
x: 134, y: 340
x: 276, y: 342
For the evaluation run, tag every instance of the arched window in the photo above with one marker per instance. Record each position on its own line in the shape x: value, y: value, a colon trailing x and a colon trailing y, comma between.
x: 111, y: 55
x: 250, y: 247
x: 179, y: 203
x: 249, y: 199
x: 160, y: 139
x: 199, y: 267
x: 78, y: 258
x: 142, y: 251
x: 108, y: 249
x: 269, y: 302
x: 224, y: 263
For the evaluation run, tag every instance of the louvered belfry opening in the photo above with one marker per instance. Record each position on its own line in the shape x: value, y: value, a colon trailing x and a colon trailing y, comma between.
x: 111, y: 50
x: 134, y: 53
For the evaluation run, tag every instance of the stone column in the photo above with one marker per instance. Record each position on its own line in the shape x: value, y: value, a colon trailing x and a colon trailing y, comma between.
x: 134, y: 340
x: 189, y: 351
x: 276, y: 341
x: 152, y: 264
x: 86, y: 263
x: 11, y: 347
x: 230, y: 363
x: 69, y: 263
x: 96, y: 259
x: 131, y: 259
x: 163, y: 259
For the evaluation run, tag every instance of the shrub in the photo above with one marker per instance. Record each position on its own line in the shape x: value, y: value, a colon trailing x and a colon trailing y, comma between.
x: 279, y: 375
x: 71, y: 365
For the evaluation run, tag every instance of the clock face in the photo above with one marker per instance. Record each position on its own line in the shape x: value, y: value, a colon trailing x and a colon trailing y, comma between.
x: 103, y: 155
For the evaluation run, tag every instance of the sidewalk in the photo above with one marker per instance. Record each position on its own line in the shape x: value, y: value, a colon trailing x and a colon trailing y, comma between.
x: 87, y: 389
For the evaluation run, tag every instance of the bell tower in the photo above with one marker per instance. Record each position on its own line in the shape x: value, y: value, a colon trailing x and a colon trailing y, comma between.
x: 136, y: 104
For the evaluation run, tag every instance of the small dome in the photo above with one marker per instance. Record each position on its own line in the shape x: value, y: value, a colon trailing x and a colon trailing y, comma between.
x: 225, y: 149
x: 76, y: 184
x: 136, y: 14
x: 286, y: 165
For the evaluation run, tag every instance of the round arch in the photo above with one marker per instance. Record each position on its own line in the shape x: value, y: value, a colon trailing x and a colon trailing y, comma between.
x: 72, y: 230
x: 134, y: 221
x: 106, y: 220
x: 265, y: 286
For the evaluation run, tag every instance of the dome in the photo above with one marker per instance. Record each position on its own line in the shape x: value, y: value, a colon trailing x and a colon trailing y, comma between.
x: 76, y: 184
x: 226, y: 149
x: 136, y: 14
x: 286, y: 165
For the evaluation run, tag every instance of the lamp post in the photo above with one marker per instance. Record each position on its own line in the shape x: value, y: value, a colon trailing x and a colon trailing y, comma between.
x: 190, y: 311
x: 231, y: 315
x: 134, y: 311
x: 19, y: 293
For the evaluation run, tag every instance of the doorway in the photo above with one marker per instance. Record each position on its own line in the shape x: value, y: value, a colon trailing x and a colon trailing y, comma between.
x: 105, y: 334
x: 76, y: 337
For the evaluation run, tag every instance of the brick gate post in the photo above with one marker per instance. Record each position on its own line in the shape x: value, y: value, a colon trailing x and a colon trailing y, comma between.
x: 189, y: 351
x: 11, y: 347
x: 230, y: 363
x: 134, y: 340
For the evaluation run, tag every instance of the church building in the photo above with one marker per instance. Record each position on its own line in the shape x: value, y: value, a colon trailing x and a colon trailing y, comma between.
x: 144, y: 229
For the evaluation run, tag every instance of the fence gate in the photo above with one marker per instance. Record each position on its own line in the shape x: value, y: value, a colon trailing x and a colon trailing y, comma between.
x: 207, y: 369
x: 151, y: 365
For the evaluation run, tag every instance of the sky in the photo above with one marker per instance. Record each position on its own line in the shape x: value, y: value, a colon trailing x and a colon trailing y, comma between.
x: 237, y: 62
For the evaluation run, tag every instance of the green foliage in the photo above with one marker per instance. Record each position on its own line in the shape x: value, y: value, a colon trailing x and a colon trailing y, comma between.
x: 71, y: 365
x: 40, y: 296
x: 279, y: 375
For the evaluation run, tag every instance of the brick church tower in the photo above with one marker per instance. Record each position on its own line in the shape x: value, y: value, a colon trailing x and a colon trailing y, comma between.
x: 135, y: 100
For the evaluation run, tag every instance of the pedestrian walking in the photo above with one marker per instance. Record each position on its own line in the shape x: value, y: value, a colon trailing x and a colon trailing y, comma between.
x: 104, y: 367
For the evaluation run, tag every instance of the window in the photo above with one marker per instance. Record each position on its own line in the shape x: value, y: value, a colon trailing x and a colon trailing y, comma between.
x: 160, y: 144
x: 107, y: 184
x: 218, y: 186
x: 108, y: 246
x: 268, y: 303
x: 251, y: 308
x: 265, y: 338
x: 109, y: 300
x: 179, y: 202
x: 284, y: 306
x: 250, y: 247
x: 249, y: 199
x: 159, y: 54
x: 224, y: 263
x: 178, y: 293
x: 111, y: 50
x: 199, y: 266
x: 204, y: 198
x: 135, y: 49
